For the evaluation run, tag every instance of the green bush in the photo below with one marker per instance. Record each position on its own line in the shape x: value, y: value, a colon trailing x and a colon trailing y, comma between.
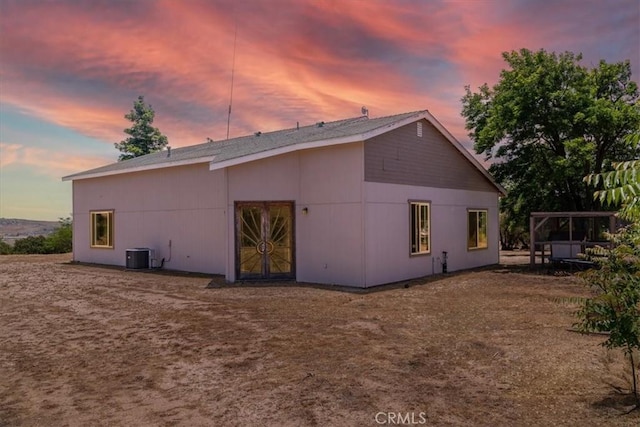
x: 31, y: 245
x: 5, y: 248
x: 59, y: 242
x: 615, y: 305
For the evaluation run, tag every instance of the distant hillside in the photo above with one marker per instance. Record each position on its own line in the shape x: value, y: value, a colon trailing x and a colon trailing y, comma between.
x: 12, y: 229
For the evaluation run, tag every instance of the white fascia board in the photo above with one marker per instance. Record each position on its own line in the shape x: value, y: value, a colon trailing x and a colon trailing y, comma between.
x: 283, y: 150
x: 313, y: 144
x: 139, y: 168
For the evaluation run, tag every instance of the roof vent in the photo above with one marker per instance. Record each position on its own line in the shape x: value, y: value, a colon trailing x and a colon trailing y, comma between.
x: 168, y: 151
x: 258, y: 133
x: 320, y: 124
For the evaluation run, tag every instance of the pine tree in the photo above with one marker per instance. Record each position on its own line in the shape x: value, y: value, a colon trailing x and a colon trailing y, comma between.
x: 143, y: 137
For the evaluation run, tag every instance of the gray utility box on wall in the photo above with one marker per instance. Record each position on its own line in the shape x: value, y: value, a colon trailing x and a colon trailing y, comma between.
x: 139, y: 258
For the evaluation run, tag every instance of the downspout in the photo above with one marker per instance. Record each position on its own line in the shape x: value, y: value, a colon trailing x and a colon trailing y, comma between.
x: 230, y: 240
x: 363, y: 228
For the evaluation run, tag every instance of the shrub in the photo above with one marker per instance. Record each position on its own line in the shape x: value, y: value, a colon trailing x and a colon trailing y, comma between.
x: 60, y: 241
x: 31, y: 245
x: 5, y: 248
x: 615, y: 307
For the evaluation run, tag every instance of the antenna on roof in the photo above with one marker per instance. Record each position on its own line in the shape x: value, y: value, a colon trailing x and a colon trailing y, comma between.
x: 365, y: 111
x: 233, y: 67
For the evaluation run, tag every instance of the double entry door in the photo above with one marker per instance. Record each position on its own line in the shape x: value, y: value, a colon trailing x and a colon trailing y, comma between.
x: 264, y: 240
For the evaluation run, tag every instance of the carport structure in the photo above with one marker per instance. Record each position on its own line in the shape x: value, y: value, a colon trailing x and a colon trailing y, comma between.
x: 562, y: 235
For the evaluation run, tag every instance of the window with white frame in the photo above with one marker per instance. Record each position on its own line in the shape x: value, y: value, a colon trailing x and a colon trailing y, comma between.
x: 477, y: 229
x: 420, y: 227
x: 102, y: 229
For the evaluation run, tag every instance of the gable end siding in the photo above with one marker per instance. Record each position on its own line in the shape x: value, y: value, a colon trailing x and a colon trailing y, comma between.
x: 402, y: 157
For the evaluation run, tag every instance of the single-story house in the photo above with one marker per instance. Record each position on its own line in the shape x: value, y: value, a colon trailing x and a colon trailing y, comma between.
x: 357, y: 202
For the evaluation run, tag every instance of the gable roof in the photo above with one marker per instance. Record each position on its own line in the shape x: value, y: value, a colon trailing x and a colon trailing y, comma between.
x: 222, y: 154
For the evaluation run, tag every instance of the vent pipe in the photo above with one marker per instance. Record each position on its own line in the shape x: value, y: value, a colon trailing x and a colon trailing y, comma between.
x: 168, y: 151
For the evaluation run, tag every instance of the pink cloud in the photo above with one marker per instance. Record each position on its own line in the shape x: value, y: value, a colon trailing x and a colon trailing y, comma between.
x: 294, y: 71
x: 600, y: 30
x: 46, y: 162
x: 9, y: 154
x: 82, y: 67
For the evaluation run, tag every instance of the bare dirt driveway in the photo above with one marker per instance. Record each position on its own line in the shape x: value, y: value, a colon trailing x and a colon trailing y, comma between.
x: 89, y: 346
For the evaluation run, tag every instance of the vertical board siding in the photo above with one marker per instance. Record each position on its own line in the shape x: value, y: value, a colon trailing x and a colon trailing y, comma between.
x: 402, y: 157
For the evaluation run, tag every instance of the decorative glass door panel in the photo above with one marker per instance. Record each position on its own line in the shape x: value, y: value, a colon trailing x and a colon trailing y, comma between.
x: 264, y: 240
x: 250, y: 230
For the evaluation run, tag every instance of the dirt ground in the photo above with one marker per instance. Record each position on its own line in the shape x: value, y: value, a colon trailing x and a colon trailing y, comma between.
x: 85, y: 345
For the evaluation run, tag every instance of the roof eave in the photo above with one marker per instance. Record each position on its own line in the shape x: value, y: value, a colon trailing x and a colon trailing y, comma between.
x: 282, y: 150
x: 89, y: 174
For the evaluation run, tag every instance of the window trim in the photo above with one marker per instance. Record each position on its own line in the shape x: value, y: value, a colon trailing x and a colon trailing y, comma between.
x: 413, y: 203
x: 477, y: 247
x: 110, y: 228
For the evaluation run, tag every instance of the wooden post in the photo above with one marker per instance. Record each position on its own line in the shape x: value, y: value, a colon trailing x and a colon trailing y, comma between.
x: 532, y: 241
x: 612, y: 227
x: 570, y: 236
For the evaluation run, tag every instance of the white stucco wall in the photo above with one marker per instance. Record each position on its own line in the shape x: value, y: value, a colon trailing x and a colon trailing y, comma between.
x: 328, y: 182
x: 387, y: 231
x: 330, y: 237
x: 355, y: 233
x: 182, y: 205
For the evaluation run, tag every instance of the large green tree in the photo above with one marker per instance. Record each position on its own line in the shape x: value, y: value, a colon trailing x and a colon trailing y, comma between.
x: 547, y: 123
x: 143, y: 137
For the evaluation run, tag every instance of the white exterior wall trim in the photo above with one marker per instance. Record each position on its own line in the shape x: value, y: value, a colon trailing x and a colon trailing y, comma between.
x: 139, y: 168
x: 283, y: 150
x: 313, y: 144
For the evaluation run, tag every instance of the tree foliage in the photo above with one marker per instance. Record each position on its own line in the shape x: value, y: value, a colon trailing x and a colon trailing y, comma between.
x: 5, y: 248
x: 621, y: 185
x: 61, y: 240
x: 615, y: 308
x: 143, y: 137
x: 58, y: 242
x: 512, y: 234
x: 30, y: 245
x: 547, y: 123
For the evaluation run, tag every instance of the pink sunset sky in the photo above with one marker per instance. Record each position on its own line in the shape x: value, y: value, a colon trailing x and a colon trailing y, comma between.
x: 70, y: 70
